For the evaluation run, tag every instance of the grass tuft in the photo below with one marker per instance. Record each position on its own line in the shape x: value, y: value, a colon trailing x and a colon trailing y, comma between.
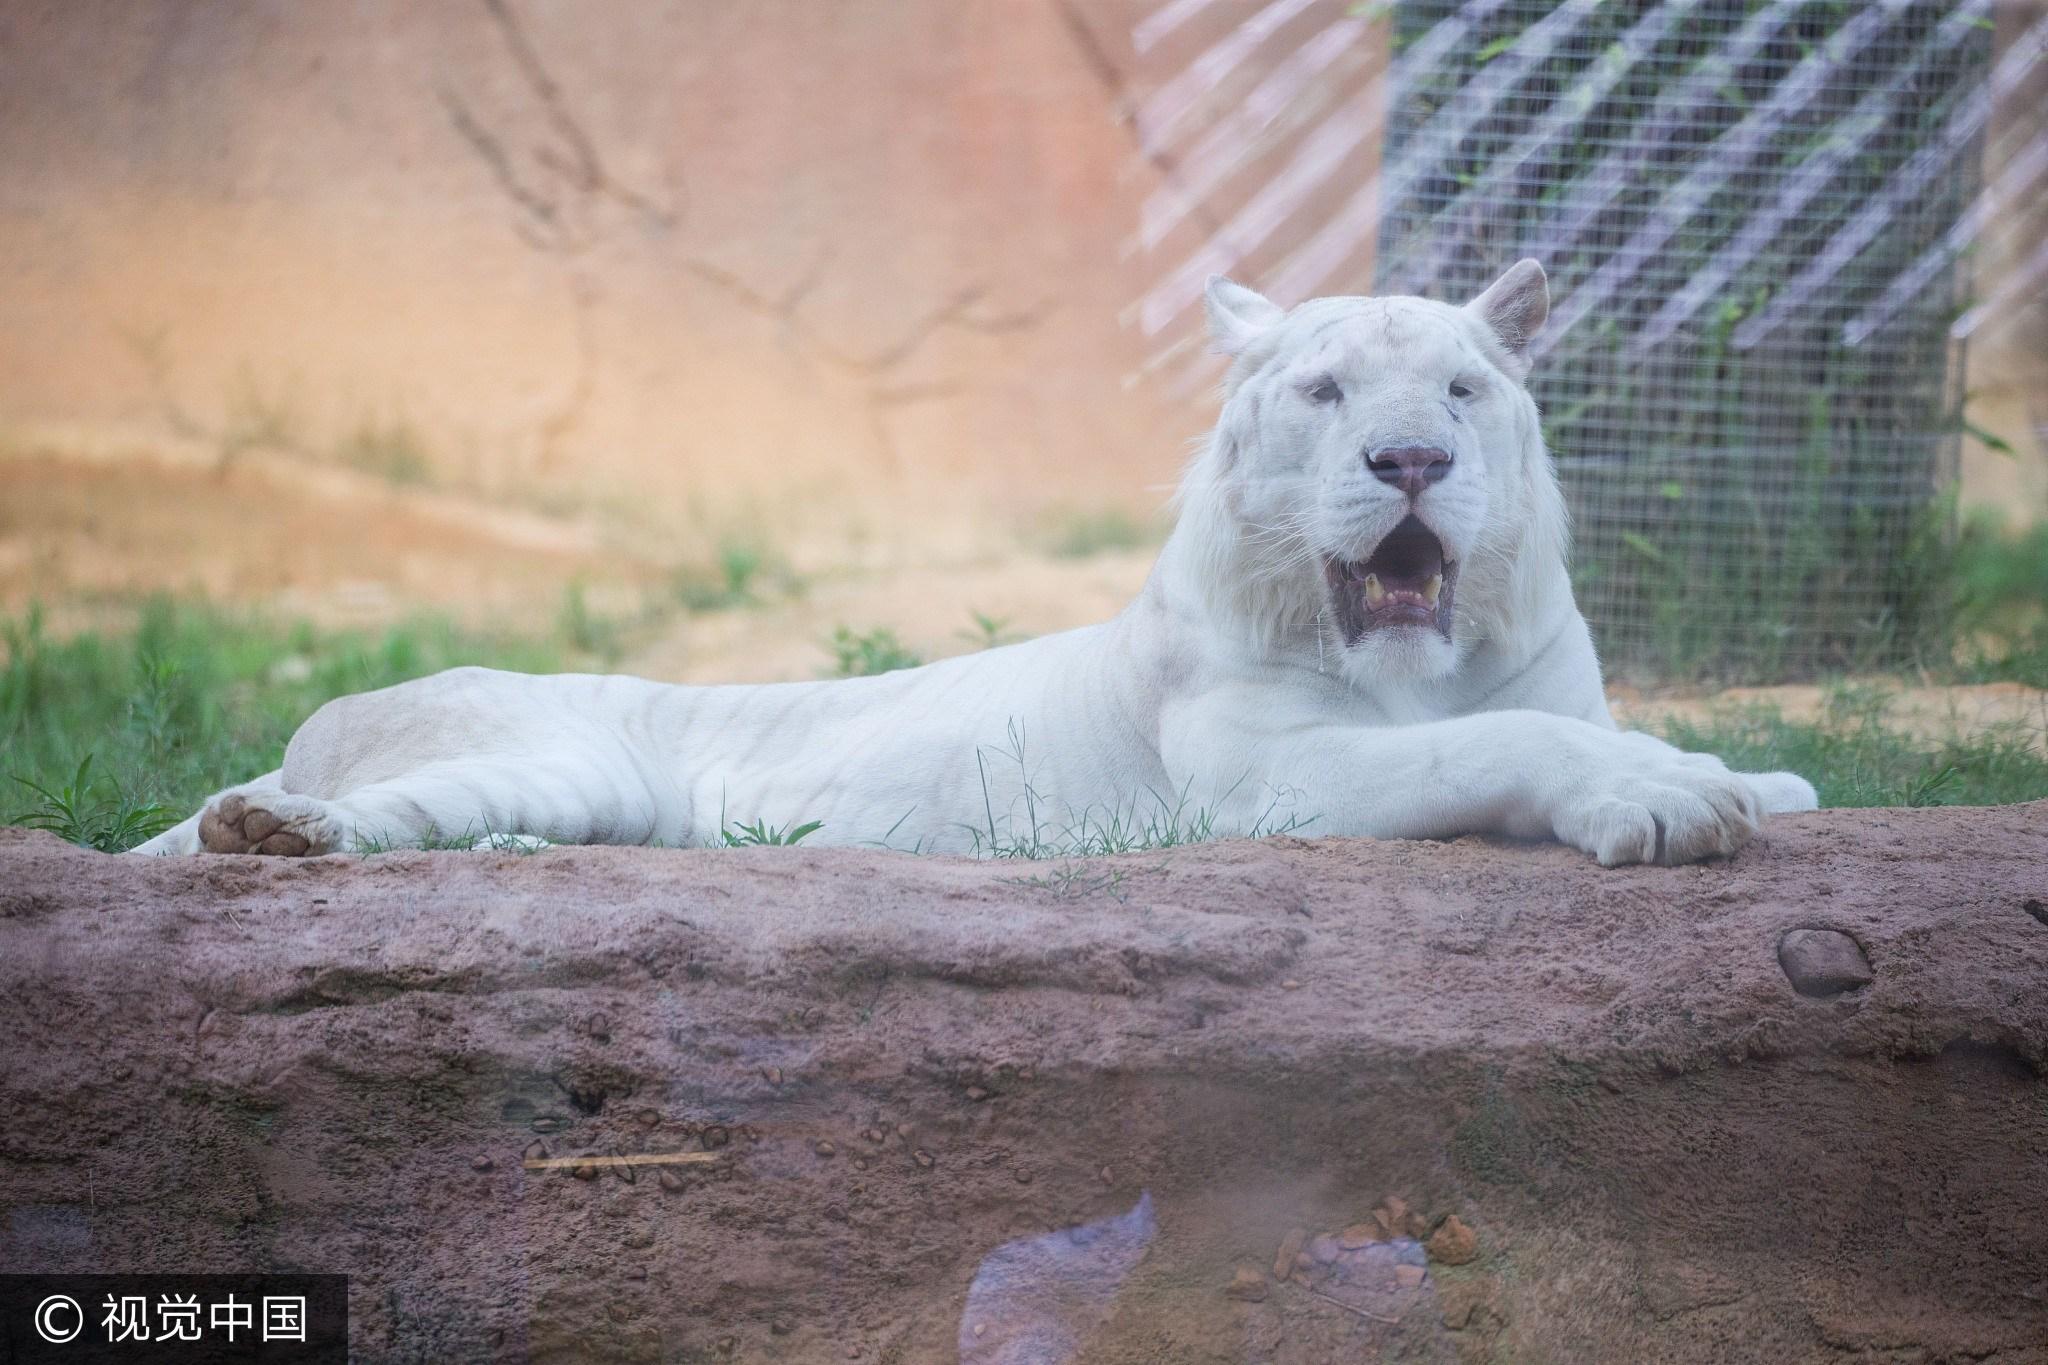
x: 863, y: 654
x: 1853, y: 758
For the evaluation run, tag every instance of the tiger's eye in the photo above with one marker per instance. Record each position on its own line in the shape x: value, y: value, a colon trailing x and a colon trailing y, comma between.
x: 1325, y: 391
x: 1460, y: 389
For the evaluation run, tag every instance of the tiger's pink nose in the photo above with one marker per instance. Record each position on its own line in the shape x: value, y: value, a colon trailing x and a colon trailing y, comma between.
x: 1409, y: 468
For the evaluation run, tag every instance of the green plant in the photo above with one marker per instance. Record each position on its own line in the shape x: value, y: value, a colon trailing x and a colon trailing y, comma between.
x: 1999, y: 602
x: 761, y: 834
x: 988, y: 632
x: 742, y: 572
x: 862, y: 654
x: 97, y: 813
x: 587, y: 630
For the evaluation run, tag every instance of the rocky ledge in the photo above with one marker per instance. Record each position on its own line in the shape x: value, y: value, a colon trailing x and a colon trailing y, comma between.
x: 1284, y: 1101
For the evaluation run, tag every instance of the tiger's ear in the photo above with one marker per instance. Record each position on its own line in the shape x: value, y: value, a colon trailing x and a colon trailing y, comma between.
x: 1238, y: 316
x: 1514, y: 308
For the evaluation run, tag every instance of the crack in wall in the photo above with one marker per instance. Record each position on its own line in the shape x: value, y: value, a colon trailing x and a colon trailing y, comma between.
x: 556, y: 210
x: 962, y: 312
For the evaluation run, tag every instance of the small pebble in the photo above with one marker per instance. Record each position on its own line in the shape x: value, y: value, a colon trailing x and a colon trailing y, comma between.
x: 584, y: 1171
x: 535, y: 1151
x: 648, y: 1118
x: 1324, y: 1248
x: 636, y: 1272
x: 924, y: 1158
x: 1409, y: 1276
x: 824, y: 1147
x: 548, y: 1123
x: 976, y: 1093
x: 599, y: 1027
x: 903, y: 1130
x: 772, y: 1075
x: 1358, y: 1235
x: 875, y: 1135
x: 1248, y: 1284
x: 715, y: 1136
x: 1023, y: 1177
x: 481, y: 1163
x: 860, y: 1163
x: 672, y: 1181
x: 781, y: 1327
x: 1290, y: 1250
x: 1290, y: 985
x: 1823, y: 962
x: 1106, y: 1176
x: 1453, y: 1243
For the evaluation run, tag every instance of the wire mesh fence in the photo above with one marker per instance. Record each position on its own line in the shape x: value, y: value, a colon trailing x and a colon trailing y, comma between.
x: 1757, y: 216
x: 1748, y: 378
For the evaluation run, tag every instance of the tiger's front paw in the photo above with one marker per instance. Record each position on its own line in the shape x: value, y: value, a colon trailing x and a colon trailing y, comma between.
x: 1678, y: 808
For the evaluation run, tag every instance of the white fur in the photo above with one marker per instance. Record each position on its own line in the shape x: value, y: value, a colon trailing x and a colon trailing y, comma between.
x: 1225, y: 689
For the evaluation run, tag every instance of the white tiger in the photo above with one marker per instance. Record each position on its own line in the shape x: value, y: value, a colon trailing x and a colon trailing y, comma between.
x: 1360, y: 625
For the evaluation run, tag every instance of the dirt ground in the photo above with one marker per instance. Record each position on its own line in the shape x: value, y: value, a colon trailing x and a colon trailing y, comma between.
x: 1214, y: 1105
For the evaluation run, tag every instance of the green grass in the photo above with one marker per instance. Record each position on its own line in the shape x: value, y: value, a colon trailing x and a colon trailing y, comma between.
x: 1999, y: 618
x: 1854, y: 759
x: 105, y: 738
x: 743, y: 572
x: 862, y: 654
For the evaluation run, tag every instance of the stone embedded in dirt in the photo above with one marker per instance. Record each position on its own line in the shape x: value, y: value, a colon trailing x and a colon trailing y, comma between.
x: 1389, y: 1214
x: 1823, y: 962
x: 1106, y: 1176
x: 860, y: 1163
x: 1358, y: 1235
x: 772, y: 1075
x: 1324, y: 1248
x: 599, y: 1027
x: 480, y: 1162
x: 584, y: 1170
x: 924, y: 1158
x: 715, y: 1136
x: 672, y: 1180
x: 824, y: 1147
x: 1290, y: 1249
x: 1023, y: 1176
x: 648, y: 1118
x: 1409, y: 1276
x: 976, y: 1093
x: 535, y: 1151
x: 1453, y: 1243
x: 874, y: 1135
x: 548, y: 1123
x: 1248, y: 1284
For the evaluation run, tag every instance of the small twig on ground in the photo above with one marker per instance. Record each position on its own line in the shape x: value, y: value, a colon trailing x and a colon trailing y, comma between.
x: 1351, y: 1307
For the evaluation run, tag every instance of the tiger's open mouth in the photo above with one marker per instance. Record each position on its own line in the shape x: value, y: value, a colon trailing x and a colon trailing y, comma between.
x: 1406, y: 581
